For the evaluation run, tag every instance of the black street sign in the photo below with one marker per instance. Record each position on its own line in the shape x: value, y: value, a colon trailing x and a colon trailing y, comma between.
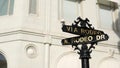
x: 87, y: 34
x: 84, y: 39
x: 80, y: 30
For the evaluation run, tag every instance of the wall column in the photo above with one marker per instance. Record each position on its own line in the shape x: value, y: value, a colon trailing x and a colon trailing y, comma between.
x: 47, y: 55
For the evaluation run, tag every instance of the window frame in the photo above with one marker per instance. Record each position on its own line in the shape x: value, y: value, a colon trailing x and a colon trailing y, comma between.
x: 114, y: 16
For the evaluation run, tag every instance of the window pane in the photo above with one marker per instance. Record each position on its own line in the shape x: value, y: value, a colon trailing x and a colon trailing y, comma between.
x: 69, y: 10
x: 32, y: 6
x: 3, y: 62
x: 106, y: 18
x: 11, y: 7
x: 3, y: 7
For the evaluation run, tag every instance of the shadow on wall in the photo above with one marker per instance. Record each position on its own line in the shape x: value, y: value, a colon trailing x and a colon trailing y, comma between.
x: 116, y: 28
x: 74, y: 0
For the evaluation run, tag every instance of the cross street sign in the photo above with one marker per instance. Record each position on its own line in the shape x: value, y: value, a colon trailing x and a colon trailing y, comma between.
x: 85, y: 39
x: 80, y: 30
x: 87, y: 34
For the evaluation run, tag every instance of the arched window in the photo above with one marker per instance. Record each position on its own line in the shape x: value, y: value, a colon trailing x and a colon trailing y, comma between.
x: 3, y: 62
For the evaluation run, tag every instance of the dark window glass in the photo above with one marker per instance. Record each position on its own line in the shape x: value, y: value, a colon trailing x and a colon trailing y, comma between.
x: 3, y: 62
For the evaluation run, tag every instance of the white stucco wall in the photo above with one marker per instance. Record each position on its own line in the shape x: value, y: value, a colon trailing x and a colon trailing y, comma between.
x: 43, y: 30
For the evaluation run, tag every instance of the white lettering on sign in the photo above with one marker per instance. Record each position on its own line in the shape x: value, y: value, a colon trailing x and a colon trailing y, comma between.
x: 71, y: 29
x: 88, y: 39
x: 100, y: 37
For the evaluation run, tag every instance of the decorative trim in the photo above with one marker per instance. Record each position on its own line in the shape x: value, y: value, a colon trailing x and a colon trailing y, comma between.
x: 19, y: 35
x: 31, y: 50
x: 21, y: 32
x: 21, y: 40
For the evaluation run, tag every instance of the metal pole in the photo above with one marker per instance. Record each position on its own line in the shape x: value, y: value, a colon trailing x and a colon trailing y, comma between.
x: 85, y: 63
x: 85, y: 56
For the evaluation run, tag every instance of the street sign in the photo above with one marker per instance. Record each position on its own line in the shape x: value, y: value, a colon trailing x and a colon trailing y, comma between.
x: 80, y: 30
x: 86, y: 35
x: 84, y: 39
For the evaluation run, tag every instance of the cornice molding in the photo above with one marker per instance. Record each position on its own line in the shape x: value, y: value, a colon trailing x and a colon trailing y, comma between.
x: 21, y: 32
x: 41, y: 35
x: 21, y: 35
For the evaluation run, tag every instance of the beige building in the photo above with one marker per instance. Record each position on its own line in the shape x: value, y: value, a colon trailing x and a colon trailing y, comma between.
x: 30, y: 33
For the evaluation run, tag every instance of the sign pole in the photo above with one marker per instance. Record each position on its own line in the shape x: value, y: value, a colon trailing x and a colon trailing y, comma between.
x: 84, y: 53
x: 85, y: 63
x: 85, y: 56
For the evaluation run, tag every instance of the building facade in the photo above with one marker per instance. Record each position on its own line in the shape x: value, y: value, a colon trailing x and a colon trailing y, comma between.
x: 30, y: 33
